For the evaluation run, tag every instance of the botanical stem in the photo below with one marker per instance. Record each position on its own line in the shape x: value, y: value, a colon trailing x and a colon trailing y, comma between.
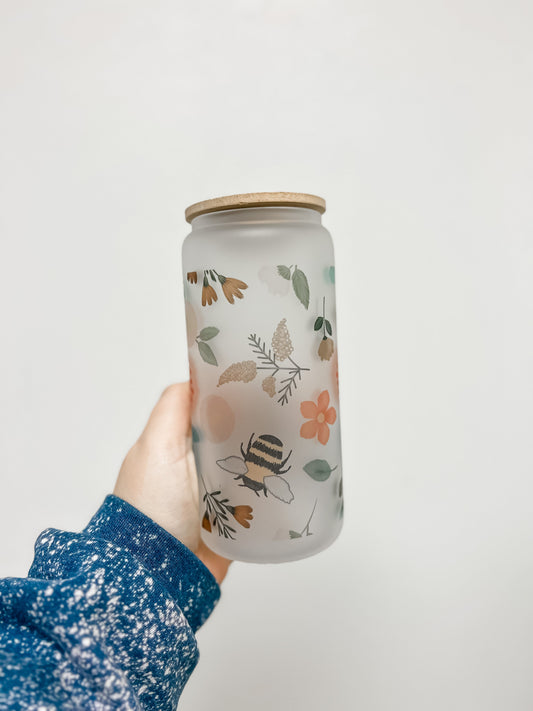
x: 305, y: 529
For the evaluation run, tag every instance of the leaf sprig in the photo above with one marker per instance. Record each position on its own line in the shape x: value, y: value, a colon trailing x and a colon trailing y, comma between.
x: 300, y: 284
x: 206, y: 352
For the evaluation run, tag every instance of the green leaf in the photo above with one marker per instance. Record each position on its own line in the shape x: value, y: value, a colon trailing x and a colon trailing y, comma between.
x: 195, y: 434
x: 328, y: 327
x: 206, y: 353
x: 207, y: 333
x: 332, y: 274
x: 318, y: 469
x: 318, y: 323
x: 283, y: 271
x: 293, y: 534
x: 301, y: 287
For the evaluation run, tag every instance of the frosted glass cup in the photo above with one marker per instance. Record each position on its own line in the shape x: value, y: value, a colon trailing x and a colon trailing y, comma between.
x: 259, y: 283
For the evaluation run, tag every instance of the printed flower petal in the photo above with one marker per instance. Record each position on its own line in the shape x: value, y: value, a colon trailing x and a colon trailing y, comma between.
x: 323, y: 433
x: 323, y: 400
x: 309, y: 429
x: 331, y: 415
x: 308, y: 409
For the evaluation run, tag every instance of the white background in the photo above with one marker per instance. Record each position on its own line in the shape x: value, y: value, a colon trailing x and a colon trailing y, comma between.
x: 414, y: 120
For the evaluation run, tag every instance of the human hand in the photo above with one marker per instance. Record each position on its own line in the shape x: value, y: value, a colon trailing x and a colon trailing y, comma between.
x: 158, y: 475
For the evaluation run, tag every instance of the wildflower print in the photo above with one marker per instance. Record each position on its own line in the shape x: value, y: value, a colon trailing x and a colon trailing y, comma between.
x: 305, y: 529
x: 243, y: 372
x: 269, y: 359
x: 319, y: 417
x: 326, y: 346
x: 281, y: 341
x: 206, y: 523
x: 206, y: 352
x: 319, y: 469
x: 269, y: 385
x: 242, y: 514
x: 279, y: 278
x: 300, y: 284
x: 282, y: 347
x: 209, y: 295
x: 232, y: 288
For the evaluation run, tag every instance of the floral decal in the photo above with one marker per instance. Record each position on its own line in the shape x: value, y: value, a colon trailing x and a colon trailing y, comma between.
x: 305, y: 529
x: 260, y: 467
x: 232, y: 288
x: 319, y: 416
x: 280, y: 277
x: 206, y: 352
x: 269, y: 359
x: 217, y: 512
x: 326, y: 346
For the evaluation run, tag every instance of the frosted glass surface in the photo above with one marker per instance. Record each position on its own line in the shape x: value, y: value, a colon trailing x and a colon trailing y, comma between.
x: 259, y: 289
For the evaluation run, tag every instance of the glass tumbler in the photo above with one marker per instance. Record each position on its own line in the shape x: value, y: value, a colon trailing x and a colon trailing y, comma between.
x: 259, y: 283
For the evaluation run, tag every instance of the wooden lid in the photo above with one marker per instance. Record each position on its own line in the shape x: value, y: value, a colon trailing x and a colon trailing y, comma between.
x: 233, y: 202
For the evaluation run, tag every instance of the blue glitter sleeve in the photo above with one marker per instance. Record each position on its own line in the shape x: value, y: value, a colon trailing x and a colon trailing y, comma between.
x: 105, y: 619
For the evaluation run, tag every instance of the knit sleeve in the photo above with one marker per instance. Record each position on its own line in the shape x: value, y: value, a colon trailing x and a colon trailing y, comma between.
x: 105, y: 619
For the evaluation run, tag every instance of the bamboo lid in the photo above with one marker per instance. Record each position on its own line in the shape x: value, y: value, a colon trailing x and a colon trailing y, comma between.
x: 233, y: 202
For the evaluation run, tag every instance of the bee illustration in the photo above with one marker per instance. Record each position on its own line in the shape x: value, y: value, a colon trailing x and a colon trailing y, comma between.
x: 261, y: 466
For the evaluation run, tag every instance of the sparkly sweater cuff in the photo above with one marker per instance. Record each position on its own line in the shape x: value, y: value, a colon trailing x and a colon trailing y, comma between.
x: 184, y: 576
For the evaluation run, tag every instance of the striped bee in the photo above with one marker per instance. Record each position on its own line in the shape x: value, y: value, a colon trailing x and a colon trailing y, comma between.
x: 261, y: 466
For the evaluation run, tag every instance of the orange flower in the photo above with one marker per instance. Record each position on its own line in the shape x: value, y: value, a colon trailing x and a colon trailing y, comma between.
x: 192, y: 277
x: 242, y: 514
x: 208, y: 293
x: 231, y: 287
x: 319, y: 417
x: 206, y: 523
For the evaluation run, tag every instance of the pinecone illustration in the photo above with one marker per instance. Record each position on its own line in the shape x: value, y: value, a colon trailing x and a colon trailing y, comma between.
x: 281, y: 340
x: 244, y: 372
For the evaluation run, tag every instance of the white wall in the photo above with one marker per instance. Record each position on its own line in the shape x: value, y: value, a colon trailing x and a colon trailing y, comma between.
x: 414, y: 120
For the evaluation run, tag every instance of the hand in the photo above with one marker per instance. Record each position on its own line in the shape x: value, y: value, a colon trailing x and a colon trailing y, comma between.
x: 158, y: 476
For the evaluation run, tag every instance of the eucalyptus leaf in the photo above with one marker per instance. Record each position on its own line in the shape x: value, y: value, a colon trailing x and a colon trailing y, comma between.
x: 207, y: 333
x: 318, y: 469
x: 207, y: 354
x: 318, y: 323
x: 301, y: 287
x: 284, y: 271
x: 328, y: 327
x: 294, y: 534
x: 332, y: 274
x: 195, y: 434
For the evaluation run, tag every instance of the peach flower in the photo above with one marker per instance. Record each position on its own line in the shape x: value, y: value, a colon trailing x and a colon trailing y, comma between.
x: 319, y: 417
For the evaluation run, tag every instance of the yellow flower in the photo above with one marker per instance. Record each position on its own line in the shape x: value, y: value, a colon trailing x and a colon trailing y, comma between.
x: 232, y: 287
x: 192, y: 277
x: 326, y: 348
x: 208, y: 293
x: 242, y: 514
x: 206, y: 523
